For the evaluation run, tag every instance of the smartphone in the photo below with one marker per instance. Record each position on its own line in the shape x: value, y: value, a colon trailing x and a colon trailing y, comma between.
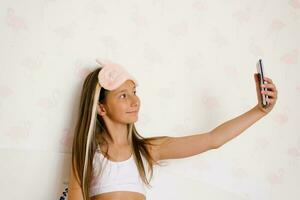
x: 261, y: 74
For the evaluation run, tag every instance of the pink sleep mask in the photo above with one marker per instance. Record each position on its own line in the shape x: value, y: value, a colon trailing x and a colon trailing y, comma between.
x: 112, y: 75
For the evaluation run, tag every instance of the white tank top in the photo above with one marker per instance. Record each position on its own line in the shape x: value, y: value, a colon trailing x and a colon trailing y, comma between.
x: 115, y: 176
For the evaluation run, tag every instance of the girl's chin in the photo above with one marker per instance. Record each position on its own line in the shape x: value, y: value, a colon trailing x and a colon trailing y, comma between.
x: 133, y: 119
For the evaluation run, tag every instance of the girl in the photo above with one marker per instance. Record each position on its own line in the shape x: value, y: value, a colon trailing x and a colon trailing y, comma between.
x: 109, y: 156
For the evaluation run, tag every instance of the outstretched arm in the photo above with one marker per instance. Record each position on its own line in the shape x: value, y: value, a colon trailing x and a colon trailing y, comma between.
x: 185, y: 146
x: 180, y: 147
x: 236, y: 126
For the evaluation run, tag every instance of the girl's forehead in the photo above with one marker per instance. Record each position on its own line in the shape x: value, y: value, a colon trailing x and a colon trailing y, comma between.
x: 127, y: 85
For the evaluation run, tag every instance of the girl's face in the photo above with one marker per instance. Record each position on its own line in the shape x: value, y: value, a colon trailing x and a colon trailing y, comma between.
x: 122, y: 104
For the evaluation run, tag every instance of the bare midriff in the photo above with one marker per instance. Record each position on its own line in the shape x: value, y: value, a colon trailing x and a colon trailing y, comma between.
x: 120, y: 195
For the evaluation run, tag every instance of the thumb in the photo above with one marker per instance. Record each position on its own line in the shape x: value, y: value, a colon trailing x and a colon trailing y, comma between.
x: 256, y: 77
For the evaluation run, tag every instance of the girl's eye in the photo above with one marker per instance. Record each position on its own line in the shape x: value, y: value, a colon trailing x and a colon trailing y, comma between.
x: 125, y: 94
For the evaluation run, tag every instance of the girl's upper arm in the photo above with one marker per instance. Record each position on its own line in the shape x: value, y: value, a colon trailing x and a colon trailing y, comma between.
x: 185, y: 146
x: 74, y: 189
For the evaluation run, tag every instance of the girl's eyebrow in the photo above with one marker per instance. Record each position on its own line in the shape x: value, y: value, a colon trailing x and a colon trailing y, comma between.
x: 125, y: 90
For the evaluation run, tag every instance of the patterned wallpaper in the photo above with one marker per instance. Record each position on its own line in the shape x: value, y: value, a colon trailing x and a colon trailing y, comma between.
x: 194, y: 61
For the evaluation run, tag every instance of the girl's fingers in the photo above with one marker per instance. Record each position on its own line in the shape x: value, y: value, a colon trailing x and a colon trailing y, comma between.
x: 271, y: 101
x: 270, y: 86
x: 269, y: 93
x: 268, y: 79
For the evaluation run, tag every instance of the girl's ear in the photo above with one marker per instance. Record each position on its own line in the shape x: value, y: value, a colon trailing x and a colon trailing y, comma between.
x: 100, y: 109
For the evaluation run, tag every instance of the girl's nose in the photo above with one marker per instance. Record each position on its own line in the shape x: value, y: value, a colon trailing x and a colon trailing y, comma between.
x: 135, y: 100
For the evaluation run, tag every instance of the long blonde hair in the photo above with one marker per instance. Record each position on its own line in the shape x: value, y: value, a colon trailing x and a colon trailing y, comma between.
x: 89, y: 131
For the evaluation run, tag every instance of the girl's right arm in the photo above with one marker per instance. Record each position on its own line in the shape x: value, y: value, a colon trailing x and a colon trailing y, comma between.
x: 74, y: 189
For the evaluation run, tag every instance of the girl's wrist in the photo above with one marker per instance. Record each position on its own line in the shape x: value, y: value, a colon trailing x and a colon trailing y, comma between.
x: 260, y: 110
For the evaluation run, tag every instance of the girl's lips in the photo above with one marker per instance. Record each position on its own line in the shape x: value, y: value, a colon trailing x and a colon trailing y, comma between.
x: 133, y: 112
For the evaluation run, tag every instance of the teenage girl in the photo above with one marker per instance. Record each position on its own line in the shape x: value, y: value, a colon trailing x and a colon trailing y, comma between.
x: 110, y: 159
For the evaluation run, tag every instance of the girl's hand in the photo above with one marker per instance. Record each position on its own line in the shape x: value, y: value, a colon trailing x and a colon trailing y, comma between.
x: 271, y: 93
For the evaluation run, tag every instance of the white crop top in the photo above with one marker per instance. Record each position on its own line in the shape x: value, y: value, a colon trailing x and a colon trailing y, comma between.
x: 115, y: 176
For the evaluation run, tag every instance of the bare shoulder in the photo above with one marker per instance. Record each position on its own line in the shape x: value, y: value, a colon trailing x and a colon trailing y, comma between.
x: 154, y: 145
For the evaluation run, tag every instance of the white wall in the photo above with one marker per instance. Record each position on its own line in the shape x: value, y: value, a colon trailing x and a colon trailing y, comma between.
x: 194, y: 61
